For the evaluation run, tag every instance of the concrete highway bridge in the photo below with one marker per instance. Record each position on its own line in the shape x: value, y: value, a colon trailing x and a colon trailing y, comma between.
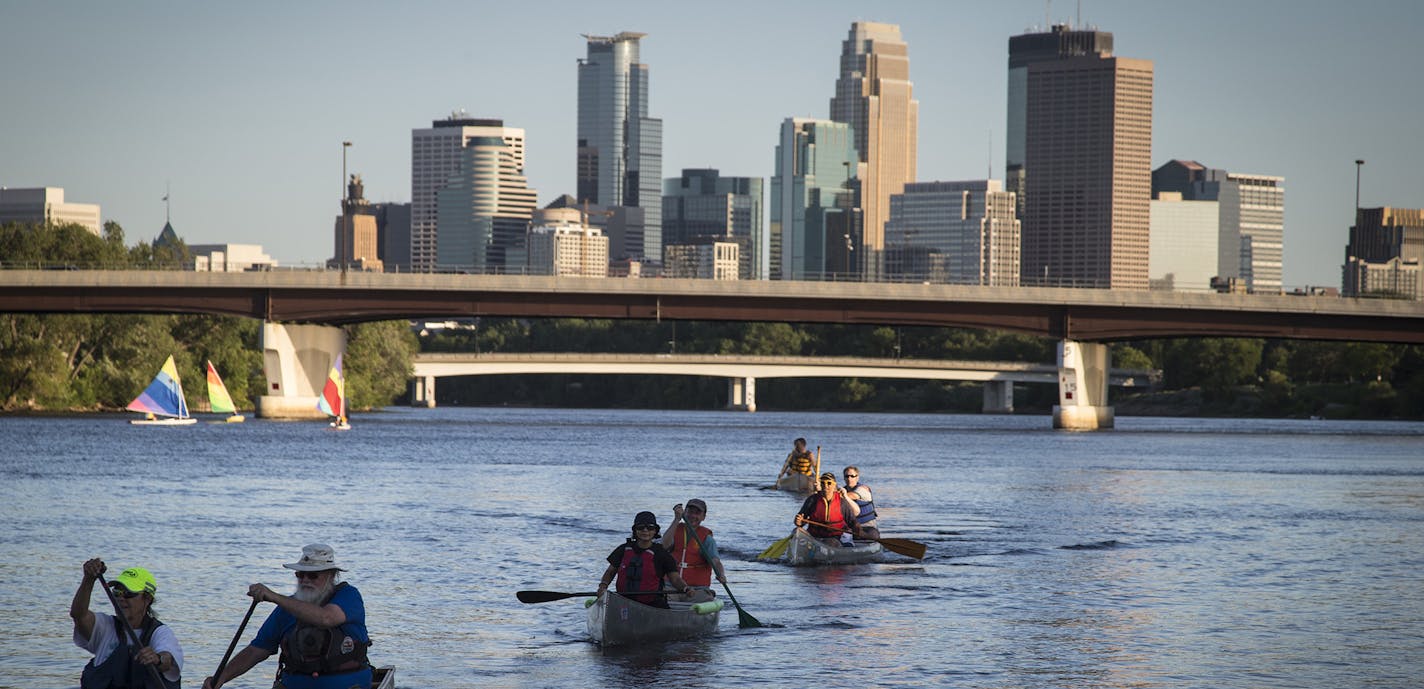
x: 742, y: 371
x: 298, y: 308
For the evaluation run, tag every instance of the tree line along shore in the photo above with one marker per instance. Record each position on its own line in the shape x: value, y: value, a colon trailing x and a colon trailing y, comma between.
x: 98, y: 362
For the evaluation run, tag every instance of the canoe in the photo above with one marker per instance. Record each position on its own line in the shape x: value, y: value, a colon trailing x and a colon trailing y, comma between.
x: 616, y: 621
x: 802, y: 484
x: 383, y: 677
x: 806, y: 549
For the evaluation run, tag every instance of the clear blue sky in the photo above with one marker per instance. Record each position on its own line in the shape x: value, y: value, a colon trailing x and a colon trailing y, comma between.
x: 242, y: 107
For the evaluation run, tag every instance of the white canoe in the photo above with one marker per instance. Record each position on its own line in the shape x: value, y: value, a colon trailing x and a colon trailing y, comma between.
x: 616, y: 621
x: 383, y: 677
x: 806, y: 549
x: 801, y: 484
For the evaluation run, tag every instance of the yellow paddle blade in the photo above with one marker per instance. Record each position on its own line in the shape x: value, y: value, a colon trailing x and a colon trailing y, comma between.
x: 776, y: 550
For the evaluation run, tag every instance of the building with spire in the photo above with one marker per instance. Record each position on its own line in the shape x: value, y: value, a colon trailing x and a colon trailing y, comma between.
x: 620, y: 148
x: 356, y: 241
x: 874, y: 95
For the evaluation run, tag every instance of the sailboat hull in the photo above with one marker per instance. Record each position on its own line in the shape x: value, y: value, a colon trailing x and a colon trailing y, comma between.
x: 164, y: 422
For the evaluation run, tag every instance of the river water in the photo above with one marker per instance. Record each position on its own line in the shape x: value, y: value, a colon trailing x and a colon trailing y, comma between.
x: 1165, y: 553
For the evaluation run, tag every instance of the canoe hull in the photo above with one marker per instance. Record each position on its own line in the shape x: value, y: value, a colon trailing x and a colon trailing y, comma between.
x: 806, y: 550
x: 383, y: 677
x: 801, y: 484
x: 617, y: 621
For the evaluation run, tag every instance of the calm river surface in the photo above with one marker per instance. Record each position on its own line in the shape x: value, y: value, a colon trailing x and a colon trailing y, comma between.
x: 1165, y: 553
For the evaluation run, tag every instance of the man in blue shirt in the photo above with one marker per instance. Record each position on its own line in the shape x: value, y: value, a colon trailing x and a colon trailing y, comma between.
x: 320, y: 629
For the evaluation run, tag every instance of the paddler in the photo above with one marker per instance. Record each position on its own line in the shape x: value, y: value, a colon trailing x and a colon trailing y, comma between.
x: 121, y: 660
x: 800, y: 461
x: 829, y: 507
x: 641, y: 564
x: 696, y: 555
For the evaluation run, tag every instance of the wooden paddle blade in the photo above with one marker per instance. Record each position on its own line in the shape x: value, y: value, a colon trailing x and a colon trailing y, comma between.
x: 776, y: 549
x: 904, y: 546
x: 546, y: 596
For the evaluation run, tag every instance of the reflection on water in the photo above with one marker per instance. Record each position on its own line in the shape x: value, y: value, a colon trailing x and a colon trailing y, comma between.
x: 1164, y: 553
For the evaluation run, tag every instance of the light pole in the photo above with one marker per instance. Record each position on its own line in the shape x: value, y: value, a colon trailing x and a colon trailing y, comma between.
x: 345, y: 221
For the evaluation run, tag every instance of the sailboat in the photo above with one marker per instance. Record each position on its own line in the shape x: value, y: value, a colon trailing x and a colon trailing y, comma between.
x: 218, y: 399
x: 162, y: 401
x: 333, y: 397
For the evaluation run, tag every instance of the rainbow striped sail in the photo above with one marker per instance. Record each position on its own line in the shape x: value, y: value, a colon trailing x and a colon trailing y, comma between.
x: 164, y: 396
x: 218, y: 398
x: 333, y: 394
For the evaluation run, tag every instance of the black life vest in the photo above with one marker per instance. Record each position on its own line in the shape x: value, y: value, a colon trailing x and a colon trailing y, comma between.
x: 311, y: 650
x: 120, y: 670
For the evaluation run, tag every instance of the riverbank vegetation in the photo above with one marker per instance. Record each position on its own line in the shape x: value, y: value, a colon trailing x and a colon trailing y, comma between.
x: 101, y: 361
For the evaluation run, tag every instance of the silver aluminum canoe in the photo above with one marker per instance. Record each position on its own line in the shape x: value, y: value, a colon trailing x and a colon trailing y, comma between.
x: 806, y: 549
x: 616, y: 621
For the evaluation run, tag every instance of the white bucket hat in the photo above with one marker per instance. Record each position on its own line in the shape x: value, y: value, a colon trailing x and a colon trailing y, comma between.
x: 317, y: 557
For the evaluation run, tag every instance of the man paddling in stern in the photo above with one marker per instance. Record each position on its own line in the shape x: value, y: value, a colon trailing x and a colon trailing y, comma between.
x: 320, y: 629
x: 694, y: 548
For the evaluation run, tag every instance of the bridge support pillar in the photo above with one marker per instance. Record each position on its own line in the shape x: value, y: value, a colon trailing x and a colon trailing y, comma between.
x: 998, y: 397
x: 295, y: 361
x: 1082, y: 387
x: 741, y: 394
x: 422, y: 392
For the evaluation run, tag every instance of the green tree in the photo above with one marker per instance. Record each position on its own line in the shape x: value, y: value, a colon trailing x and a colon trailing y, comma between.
x: 378, y: 362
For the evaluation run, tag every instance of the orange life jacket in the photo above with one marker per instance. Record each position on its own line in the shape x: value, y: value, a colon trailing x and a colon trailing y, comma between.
x: 694, y: 568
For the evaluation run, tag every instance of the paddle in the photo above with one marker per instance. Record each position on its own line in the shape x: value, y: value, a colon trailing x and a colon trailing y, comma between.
x: 903, y: 546
x: 546, y: 596
x: 744, y: 618
x: 128, y: 629
x: 223, y: 665
x: 776, y: 549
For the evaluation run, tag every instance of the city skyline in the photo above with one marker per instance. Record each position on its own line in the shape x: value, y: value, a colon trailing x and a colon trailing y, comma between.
x: 244, y: 106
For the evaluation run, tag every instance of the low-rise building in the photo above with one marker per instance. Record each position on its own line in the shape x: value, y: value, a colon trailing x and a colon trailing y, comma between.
x: 46, y: 205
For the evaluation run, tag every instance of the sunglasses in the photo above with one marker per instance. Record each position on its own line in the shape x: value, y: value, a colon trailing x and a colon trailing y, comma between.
x: 698, y: 510
x: 852, y: 475
x: 309, y: 575
x: 122, y: 592
x: 645, y: 527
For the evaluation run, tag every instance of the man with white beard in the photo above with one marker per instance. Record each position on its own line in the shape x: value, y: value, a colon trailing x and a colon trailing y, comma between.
x: 320, y: 629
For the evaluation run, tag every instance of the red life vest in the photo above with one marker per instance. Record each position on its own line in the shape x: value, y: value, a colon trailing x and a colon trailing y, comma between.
x: 694, y: 568
x: 828, y: 512
x: 638, y: 572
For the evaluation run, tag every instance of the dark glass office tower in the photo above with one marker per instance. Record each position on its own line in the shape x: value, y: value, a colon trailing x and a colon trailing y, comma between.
x: 620, y: 148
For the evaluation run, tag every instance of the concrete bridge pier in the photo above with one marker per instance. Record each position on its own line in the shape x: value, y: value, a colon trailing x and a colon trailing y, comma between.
x: 1082, y: 387
x: 295, y: 361
x: 741, y: 394
x: 998, y: 397
x: 422, y: 392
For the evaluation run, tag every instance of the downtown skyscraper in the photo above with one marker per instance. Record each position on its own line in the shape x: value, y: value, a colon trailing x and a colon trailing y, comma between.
x: 620, y: 148
x: 1087, y: 181
x: 874, y: 95
x: 470, y: 203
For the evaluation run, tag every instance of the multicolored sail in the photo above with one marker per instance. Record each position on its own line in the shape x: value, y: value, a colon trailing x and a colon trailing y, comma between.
x: 333, y: 394
x: 164, y: 396
x: 218, y: 397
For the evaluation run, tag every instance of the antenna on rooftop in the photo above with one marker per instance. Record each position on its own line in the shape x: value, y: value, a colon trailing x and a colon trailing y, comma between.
x: 990, y: 162
x: 167, y: 215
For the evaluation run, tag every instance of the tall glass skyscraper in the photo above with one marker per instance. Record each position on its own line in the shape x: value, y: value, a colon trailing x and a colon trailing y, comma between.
x: 874, y: 95
x: 813, y: 201
x: 620, y: 148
